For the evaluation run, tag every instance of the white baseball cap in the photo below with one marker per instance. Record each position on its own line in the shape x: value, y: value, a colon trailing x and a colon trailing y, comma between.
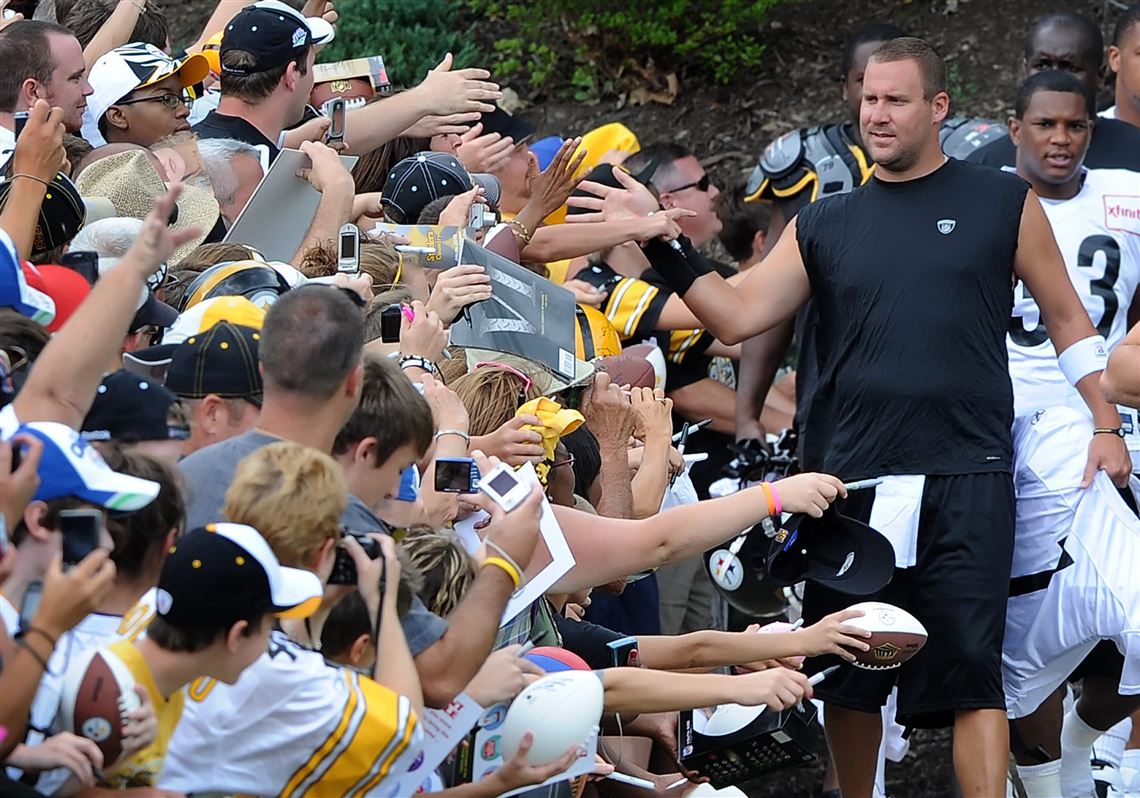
x: 133, y: 66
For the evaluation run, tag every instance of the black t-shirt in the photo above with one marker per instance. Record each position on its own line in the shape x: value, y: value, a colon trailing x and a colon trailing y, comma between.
x: 223, y: 126
x: 588, y: 640
x: 912, y: 287
x: 1115, y: 145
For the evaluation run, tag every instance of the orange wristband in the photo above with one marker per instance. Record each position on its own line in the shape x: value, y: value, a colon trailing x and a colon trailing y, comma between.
x: 770, y: 496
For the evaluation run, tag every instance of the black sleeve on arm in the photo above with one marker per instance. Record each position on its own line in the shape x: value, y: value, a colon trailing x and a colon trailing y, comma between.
x: 679, y: 269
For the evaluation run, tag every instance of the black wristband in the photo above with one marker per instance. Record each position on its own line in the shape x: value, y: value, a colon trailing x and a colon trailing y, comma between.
x: 677, y: 270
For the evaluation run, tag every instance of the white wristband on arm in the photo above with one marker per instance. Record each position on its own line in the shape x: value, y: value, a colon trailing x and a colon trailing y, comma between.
x: 1087, y: 356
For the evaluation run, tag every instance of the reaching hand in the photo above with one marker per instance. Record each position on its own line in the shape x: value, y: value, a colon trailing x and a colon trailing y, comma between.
x: 313, y: 130
x: 832, y: 636
x: 327, y: 170
x: 585, y: 293
x: 516, y: 773
x: 653, y: 412
x: 503, y: 676
x: 458, y: 287
x: 157, y: 241
x: 514, y: 444
x: 455, y: 213
x: 484, y: 152
x: 550, y: 189
x: 515, y: 532
x: 39, y: 151
x: 608, y: 412
x: 779, y: 688
x: 63, y: 750
x: 809, y: 493
x: 424, y: 335
x: 609, y: 204
x: 447, y: 409
x: 450, y: 125
x: 140, y: 726
x: 70, y: 597
x: 460, y: 91
x: 17, y: 487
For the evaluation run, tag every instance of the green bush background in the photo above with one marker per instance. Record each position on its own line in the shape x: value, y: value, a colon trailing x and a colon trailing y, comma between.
x: 582, y: 48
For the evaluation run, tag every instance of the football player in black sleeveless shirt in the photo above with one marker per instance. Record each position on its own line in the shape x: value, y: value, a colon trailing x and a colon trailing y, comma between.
x: 912, y: 276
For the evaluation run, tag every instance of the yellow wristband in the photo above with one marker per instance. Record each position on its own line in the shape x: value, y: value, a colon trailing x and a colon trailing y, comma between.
x: 506, y: 566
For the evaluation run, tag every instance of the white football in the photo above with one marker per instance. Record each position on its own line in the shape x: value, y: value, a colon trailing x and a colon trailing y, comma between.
x: 896, y: 635
x: 561, y: 710
x: 729, y: 718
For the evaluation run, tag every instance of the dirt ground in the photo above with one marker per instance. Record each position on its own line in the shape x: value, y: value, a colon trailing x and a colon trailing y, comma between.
x: 729, y: 126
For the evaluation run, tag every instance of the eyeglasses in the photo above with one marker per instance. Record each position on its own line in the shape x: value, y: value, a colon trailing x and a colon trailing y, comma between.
x: 169, y: 101
x: 569, y: 461
x: 701, y: 185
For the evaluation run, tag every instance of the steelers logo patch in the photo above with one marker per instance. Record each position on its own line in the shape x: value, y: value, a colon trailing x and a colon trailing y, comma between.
x: 726, y: 569
x: 96, y: 729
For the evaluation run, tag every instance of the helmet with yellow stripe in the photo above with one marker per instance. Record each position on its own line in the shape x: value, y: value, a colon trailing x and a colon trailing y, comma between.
x: 594, y: 336
x: 258, y: 282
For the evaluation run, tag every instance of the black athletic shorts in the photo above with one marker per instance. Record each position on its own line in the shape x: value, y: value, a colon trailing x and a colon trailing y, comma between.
x: 957, y: 588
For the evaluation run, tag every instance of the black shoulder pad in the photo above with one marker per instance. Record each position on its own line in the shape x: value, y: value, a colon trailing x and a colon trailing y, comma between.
x: 961, y: 136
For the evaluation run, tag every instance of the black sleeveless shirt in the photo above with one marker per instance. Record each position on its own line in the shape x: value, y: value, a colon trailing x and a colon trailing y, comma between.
x: 912, y: 289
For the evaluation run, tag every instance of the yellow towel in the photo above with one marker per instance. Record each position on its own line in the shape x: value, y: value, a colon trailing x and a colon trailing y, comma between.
x: 556, y: 421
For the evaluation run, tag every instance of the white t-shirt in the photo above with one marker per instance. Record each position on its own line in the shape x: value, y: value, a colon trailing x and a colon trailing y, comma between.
x: 9, y: 616
x: 1108, y: 113
x: 292, y: 720
x: 1098, y: 232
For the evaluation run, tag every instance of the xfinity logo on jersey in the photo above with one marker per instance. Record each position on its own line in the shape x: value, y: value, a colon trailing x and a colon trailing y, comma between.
x: 946, y: 226
x: 1122, y: 213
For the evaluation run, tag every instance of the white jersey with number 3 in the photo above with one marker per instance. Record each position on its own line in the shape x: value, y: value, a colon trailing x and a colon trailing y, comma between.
x: 1098, y: 232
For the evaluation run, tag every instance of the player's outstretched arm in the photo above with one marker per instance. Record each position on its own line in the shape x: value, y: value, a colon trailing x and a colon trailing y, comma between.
x: 641, y: 690
x: 606, y: 549
x: 771, y: 293
x: 1081, y: 351
x: 1120, y: 380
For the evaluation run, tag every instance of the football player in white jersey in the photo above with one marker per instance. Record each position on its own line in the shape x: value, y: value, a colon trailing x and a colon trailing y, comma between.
x: 1095, y: 540
x: 1088, y: 210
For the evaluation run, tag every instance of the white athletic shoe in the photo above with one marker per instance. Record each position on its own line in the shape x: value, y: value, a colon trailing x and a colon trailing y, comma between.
x: 1127, y: 784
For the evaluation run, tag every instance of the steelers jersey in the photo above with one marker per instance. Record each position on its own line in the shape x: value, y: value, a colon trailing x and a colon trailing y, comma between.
x: 1092, y: 597
x: 1098, y: 232
x: 292, y: 726
x: 633, y: 306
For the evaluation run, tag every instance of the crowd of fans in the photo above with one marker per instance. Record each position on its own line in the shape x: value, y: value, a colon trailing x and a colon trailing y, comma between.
x: 274, y: 565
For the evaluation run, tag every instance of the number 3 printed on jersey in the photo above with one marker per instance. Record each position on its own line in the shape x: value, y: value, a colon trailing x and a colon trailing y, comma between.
x: 1098, y: 287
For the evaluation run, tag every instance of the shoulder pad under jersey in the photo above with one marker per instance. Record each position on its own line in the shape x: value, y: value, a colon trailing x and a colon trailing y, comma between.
x: 961, y: 136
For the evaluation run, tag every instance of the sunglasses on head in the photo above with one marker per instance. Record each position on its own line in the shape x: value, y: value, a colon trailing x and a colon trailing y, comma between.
x: 700, y: 185
x: 527, y: 381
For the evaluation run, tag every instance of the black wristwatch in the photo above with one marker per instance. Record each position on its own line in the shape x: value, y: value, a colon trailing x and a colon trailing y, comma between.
x: 1117, y: 431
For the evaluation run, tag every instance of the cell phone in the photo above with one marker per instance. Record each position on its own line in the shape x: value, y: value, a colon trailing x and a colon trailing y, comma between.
x: 623, y: 652
x: 19, y: 120
x: 81, y: 530
x: 479, y: 216
x: 334, y: 109
x: 504, y: 487
x: 344, y: 567
x: 456, y: 475
x: 348, y: 253
x: 390, y: 323
x: 85, y: 263
x: 25, y: 7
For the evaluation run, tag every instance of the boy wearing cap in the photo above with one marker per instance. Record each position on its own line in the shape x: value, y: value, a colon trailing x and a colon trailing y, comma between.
x: 138, y: 414
x: 218, y: 588
x: 267, y: 54
x: 215, y: 374
x: 72, y: 476
x: 140, y: 95
x: 296, y: 725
